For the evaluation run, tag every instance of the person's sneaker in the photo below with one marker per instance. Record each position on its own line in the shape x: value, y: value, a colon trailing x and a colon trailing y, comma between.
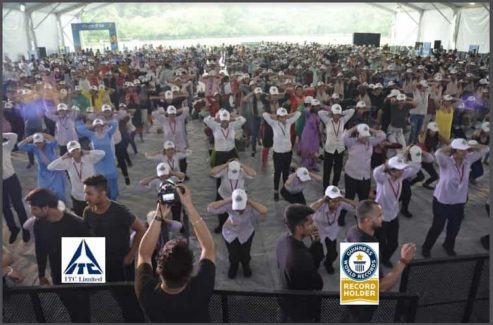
x: 329, y: 268
x: 13, y: 235
x: 428, y: 187
x: 232, y: 271
x: 26, y: 235
x: 387, y: 263
x: 341, y: 222
x: 276, y: 197
x: 247, y: 271
x: 406, y: 213
x: 426, y: 253
x: 218, y: 229
x: 449, y: 251
x: 127, y: 180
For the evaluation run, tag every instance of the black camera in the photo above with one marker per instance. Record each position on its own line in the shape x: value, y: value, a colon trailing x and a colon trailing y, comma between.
x: 167, y: 193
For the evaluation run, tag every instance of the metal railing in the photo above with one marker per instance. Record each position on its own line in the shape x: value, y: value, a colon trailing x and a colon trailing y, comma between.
x: 450, y: 289
x: 43, y: 304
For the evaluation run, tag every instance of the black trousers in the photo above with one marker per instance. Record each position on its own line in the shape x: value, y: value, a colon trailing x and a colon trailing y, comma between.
x: 388, y: 237
x: 183, y: 165
x: 406, y: 193
x: 293, y: 197
x: 239, y: 253
x: 331, y: 255
x: 223, y: 216
x: 353, y: 187
x: 121, y: 152
x: 282, y: 162
x: 78, y: 206
x: 442, y: 213
x: 332, y: 160
x: 12, y: 195
x: 63, y: 150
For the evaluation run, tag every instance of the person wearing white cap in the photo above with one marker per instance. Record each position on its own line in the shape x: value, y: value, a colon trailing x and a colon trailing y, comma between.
x: 309, y: 143
x: 256, y: 104
x: 389, y: 178
x: 452, y: 87
x: 174, y: 129
x: 231, y: 175
x: 444, y: 116
x: 281, y: 125
x: 327, y: 211
x: 481, y: 136
x: 360, y: 141
x: 64, y: 119
x: 101, y: 138
x: 43, y: 145
x: 450, y: 195
x: 169, y: 155
x: 417, y: 114
x: 292, y: 191
x: 12, y: 190
x: 79, y: 165
x: 238, y: 230
x: 334, y: 146
x: 399, y: 110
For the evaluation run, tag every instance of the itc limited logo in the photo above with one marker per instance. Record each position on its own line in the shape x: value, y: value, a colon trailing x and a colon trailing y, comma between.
x: 83, y: 260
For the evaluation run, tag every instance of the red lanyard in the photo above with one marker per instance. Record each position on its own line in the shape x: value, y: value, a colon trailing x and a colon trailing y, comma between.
x: 338, y: 126
x: 396, y: 193
x: 79, y: 172
x: 225, y: 135
x: 329, y: 215
x: 172, y: 126
x: 460, y: 172
x: 231, y: 183
x: 171, y: 162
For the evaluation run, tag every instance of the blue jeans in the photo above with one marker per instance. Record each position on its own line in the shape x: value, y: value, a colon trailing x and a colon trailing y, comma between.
x: 416, y: 125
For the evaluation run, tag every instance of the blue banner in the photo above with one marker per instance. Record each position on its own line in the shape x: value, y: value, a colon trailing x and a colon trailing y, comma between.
x: 77, y: 28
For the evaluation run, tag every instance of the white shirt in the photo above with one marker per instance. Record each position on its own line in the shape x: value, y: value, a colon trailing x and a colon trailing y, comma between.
x: 173, y: 162
x: 326, y: 221
x: 421, y: 100
x: 78, y: 171
x: 389, y: 189
x: 238, y: 225
x: 7, y: 167
x: 358, y: 164
x: 229, y: 185
x: 334, y: 130
x: 224, y: 139
x: 174, y: 131
x: 282, y: 132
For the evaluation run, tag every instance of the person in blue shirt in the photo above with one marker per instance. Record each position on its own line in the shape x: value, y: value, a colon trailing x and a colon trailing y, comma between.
x: 42, y: 146
x: 101, y: 139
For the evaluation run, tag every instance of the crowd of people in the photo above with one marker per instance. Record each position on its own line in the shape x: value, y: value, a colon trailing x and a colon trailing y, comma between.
x: 395, y: 113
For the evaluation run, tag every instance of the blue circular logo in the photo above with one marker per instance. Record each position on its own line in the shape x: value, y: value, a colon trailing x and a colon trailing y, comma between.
x: 359, y: 262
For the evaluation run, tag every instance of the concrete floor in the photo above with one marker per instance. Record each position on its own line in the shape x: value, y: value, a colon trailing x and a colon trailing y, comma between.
x: 269, y: 229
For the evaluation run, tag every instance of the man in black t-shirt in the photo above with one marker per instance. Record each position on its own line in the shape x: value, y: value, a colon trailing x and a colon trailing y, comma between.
x: 50, y: 226
x: 369, y: 216
x: 174, y: 296
x: 298, y: 265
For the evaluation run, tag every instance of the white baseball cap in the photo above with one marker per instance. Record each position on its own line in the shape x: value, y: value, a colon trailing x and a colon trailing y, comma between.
x: 38, y: 137
x: 9, y: 104
x: 391, y: 83
x: 336, y: 109
x: 483, y: 82
x: 239, y: 199
x: 459, y: 144
x: 90, y: 109
x: 401, y: 97
x: 234, y: 169
x: 448, y: 98
x: 72, y: 145
x: 273, y: 90
x: 339, y: 74
x: 77, y: 88
x: 175, y: 88
x: 106, y: 108
x: 168, y: 94
x: 315, y: 102
x: 168, y: 145
x: 397, y: 162
x: 257, y: 90
x: 122, y: 105
x: 62, y: 107
x: 416, y: 154
x: 485, y: 126
x: 63, y: 91
x: 378, y: 85
x: 432, y: 126
x: 97, y: 121
x: 361, y: 104
x: 281, y: 111
x: 302, y: 174
x: 423, y: 83
x: 335, y: 96
x: 171, y: 110
x: 363, y: 130
x: 101, y: 87
x: 163, y: 169
x: 394, y: 93
x: 75, y: 108
x: 472, y: 142
x: 224, y: 115
x: 332, y: 192
x: 308, y: 100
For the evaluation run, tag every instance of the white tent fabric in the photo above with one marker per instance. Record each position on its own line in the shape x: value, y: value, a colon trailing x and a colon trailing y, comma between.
x: 435, y: 27
x: 474, y: 29
x: 14, y: 38
x: 406, y: 29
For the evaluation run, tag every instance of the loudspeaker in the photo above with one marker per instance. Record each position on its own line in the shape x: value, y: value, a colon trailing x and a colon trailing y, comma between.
x: 42, y: 52
x: 437, y: 45
x: 366, y: 39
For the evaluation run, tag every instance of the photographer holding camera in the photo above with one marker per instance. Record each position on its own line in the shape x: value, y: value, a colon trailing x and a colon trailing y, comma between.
x: 176, y: 296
